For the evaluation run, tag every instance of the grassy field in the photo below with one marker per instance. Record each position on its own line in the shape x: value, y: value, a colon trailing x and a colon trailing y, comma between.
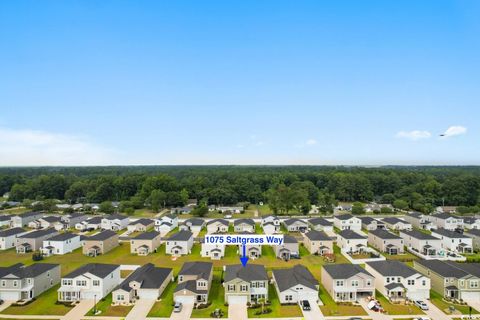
x: 215, y: 297
x: 330, y: 308
x: 107, y: 310
x: 437, y: 299
x: 278, y: 310
x: 164, y: 307
x: 45, y: 304
x: 396, y: 309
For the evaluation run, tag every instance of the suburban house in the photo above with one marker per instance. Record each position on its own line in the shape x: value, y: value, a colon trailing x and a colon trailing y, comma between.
x: 180, y: 243
x: 351, y: 241
x: 5, y: 220
x: 321, y: 224
x: 93, y: 223
x: 140, y: 225
x: 217, y: 226
x: 252, y: 250
x: 347, y: 282
x: 235, y: 209
x: 423, y: 243
x: 192, y: 202
x: 181, y: 210
x: 295, y: 225
x: 295, y: 284
x: 44, y: 222
x: 214, y: 251
x: 145, y: 243
x: 194, y: 282
x: 446, y: 221
x: 69, y: 221
x: 377, y: 207
x: 397, y: 281
x: 90, y: 281
x: 22, y: 220
x: 195, y: 225
x: 471, y: 222
x: 8, y: 237
x: 61, y: 244
x: 166, y: 223
x: 394, y: 223
x: 453, y: 280
x: 454, y: 241
x: 386, y: 241
x: 317, y: 242
x: 20, y: 282
x: 270, y: 224
x: 418, y: 220
x: 288, y: 249
x: 245, y: 284
x: 146, y: 282
x: 343, y: 207
x: 369, y: 223
x: 347, y: 222
x: 114, y: 222
x: 244, y: 225
x: 33, y: 241
x: 473, y: 233
x: 100, y: 243
x: 446, y: 209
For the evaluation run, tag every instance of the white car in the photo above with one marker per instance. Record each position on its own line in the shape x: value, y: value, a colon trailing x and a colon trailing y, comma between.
x: 422, y: 305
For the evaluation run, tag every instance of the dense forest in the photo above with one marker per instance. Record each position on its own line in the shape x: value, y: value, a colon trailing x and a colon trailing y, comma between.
x: 285, y: 188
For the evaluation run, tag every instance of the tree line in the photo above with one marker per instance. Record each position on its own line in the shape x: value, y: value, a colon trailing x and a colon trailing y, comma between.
x: 285, y: 188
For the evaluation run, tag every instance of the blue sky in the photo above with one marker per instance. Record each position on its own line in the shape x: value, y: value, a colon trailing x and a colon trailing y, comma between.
x: 239, y: 82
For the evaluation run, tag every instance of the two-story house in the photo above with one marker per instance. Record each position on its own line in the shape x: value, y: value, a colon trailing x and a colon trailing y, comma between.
x: 61, y: 244
x: 351, y: 241
x: 194, y: 225
x: 394, y: 223
x: 114, y: 222
x: 44, y: 222
x: 421, y: 242
x: 295, y: 284
x: 418, y: 220
x: 145, y: 243
x: 140, y: 225
x: 472, y: 233
x: 8, y: 237
x: 369, y: 223
x: 194, y: 282
x: 347, y: 222
x: 69, y: 221
x: 454, y: 241
x: 270, y: 224
x: 214, y: 251
x: 90, y: 281
x: 386, y: 241
x: 288, y: 249
x: 295, y: 225
x: 471, y: 222
x: 100, y: 243
x: 446, y: 221
x: 318, y: 242
x: 217, y: 226
x: 180, y: 243
x: 245, y: 284
x: 22, y: 220
x: 320, y: 224
x: 347, y: 282
x: 166, y: 223
x: 90, y: 224
x: 244, y: 225
x: 33, y: 241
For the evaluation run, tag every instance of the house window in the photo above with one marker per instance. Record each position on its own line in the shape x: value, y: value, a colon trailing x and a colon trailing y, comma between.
x: 473, y: 284
x: 411, y: 282
x: 4, y: 283
x: 243, y: 288
x: 96, y: 283
x: 424, y: 282
x: 67, y: 282
x: 15, y: 283
x: 369, y: 282
x: 339, y: 283
x: 120, y: 297
x: 81, y: 283
x: 462, y: 283
x: 201, y: 283
x: 288, y: 298
x: 231, y: 287
x: 354, y: 283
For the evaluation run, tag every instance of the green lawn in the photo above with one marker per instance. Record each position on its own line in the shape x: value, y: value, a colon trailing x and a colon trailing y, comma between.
x: 330, y: 308
x: 437, y: 299
x: 107, y: 310
x: 278, y: 310
x: 164, y: 307
x: 45, y: 304
x: 264, y: 210
x: 216, y: 298
x: 396, y: 309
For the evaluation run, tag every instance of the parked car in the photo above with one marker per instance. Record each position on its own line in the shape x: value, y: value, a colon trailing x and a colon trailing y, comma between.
x: 422, y: 305
x: 177, y: 307
x: 305, y: 305
x: 421, y: 318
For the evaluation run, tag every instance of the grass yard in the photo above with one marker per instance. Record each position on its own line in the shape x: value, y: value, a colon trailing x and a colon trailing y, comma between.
x: 437, y: 299
x: 396, y: 309
x: 407, y: 257
x: 330, y: 308
x: 45, y: 304
x: 264, y: 210
x: 107, y: 310
x: 164, y: 307
x: 216, y: 298
x: 278, y: 310
x: 145, y: 212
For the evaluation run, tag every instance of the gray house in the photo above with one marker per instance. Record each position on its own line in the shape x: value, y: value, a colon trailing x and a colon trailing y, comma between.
x: 245, y: 284
x: 8, y: 237
x: 22, y: 220
x: 295, y: 225
x: 295, y: 284
x: 289, y: 248
x: 194, y: 282
x: 386, y: 241
x: 33, y: 241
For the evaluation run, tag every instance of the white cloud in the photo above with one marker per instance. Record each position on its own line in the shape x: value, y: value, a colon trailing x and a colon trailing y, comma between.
x: 311, y: 142
x: 454, y: 131
x: 414, y: 135
x: 26, y: 147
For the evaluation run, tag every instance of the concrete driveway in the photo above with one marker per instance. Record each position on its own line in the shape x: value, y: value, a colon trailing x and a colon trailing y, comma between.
x: 79, y: 310
x: 186, y: 312
x: 141, y: 309
x: 315, y: 313
x: 434, y: 313
x: 237, y: 311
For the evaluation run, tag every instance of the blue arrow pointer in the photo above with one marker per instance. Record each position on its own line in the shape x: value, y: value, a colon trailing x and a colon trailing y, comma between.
x: 244, y: 258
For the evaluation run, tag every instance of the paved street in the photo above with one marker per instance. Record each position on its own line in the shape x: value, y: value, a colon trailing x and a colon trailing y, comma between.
x: 141, y: 309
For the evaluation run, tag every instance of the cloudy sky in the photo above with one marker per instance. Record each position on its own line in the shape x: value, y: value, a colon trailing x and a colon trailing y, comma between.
x: 245, y: 82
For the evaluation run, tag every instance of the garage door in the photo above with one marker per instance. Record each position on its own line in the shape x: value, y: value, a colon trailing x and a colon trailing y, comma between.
x: 185, y: 299
x: 237, y: 300
x: 475, y: 296
x: 9, y: 296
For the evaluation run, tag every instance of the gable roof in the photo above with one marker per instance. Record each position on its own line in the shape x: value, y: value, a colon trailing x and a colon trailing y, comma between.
x: 368, y: 220
x: 114, y: 217
x: 21, y: 271
x: 143, y: 221
x: 346, y: 216
x: 289, y: 239
x: 451, y: 269
x: 444, y: 216
x: 415, y: 214
x: 293, y: 220
x: 475, y: 232
x: 63, y: 236
x: 394, y: 220
x: 11, y: 232
x: 28, y: 214
x: 320, y: 222
x: 51, y: 219
x: 182, y: 235
x: 100, y: 270
x: 419, y: 235
x: 449, y: 233
x: 95, y: 220
x: 344, y: 270
x: 350, y: 234
x: 391, y: 268
x: 251, y: 272
x: 149, y: 277
x: 222, y: 221
x: 194, y: 222
x: 317, y: 236
x: 200, y: 269
x: 38, y: 233
x: 298, y: 275
x: 246, y: 221
x: 147, y: 235
x: 384, y: 234
x: 101, y: 236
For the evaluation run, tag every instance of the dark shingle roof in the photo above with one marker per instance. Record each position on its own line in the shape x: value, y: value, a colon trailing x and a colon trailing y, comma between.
x: 95, y: 220
x: 182, y: 235
x: 63, y: 236
x: 394, y: 220
x: 475, y: 232
x: 419, y: 235
x: 289, y: 239
x: 449, y: 233
x: 114, y: 216
x: 367, y: 220
x: 28, y: 214
x: 344, y: 271
x: 320, y: 222
x: 147, y: 235
x: 149, y: 277
x: 450, y: 269
x: 190, y: 285
x: 298, y: 275
x: 21, y: 271
x: 100, y: 270
x: 198, y: 268
x: 101, y: 236
x: 415, y: 214
x: 11, y: 232
x: 246, y: 221
x: 444, y: 216
x: 317, y: 236
x: 350, y: 234
x: 195, y: 222
x: 392, y: 268
x: 143, y: 221
x: 222, y: 221
x: 38, y: 233
x: 5, y: 218
x: 384, y: 234
x: 51, y: 219
x: 251, y: 272
x: 292, y: 221
x: 345, y: 216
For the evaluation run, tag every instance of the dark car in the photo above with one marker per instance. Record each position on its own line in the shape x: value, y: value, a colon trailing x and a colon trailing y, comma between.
x: 305, y: 305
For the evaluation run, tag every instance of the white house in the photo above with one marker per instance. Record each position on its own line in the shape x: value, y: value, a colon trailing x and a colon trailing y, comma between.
x: 180, y: 243
x: 446, y: 221
x: 140, y: 225
x: 295, y: 225
x: 5, y: 220
x: 232, y: 209
x: 397, y: 281
x: 61, y: 244
x: 321, y: 224
x: 454, y: 241
x: 213, y: 251
x: 418, y: 220
x: 394, y: 223
x: 270, y: 224
x: 421, y: 242
x: 8, y: 237
x: 347, y: 222
x: 166, y: 223
x: 217, y: 226
x: 90, y: 281
x: 244, y: 225
x: 295, y: 284
x: 195, y: 225
x: 114, y: 222
x: 471, y: 222
x: 351, y: 241
x: 93, y: 223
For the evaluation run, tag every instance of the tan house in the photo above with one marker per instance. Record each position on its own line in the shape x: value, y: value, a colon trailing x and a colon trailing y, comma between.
x: 145, y: 243
x: 194, y: 282
x: 386, y: 241
x: 33, y: 241
x: 141, y: 225
x: 100, y: 243
x: 347, y: 282
x: 317, y: 242
x: 245, y: 284
x: 289, y: 248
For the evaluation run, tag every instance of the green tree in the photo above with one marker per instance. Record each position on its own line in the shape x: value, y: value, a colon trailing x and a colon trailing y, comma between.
x: 400, y: 204
x: 106, y: 207
x: 157, y: 200
x: 357, y: 208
